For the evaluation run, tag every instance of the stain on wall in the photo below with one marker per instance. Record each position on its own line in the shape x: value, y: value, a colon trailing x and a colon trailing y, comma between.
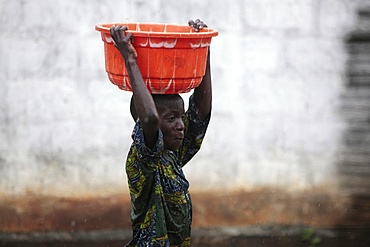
x: 354, y: 165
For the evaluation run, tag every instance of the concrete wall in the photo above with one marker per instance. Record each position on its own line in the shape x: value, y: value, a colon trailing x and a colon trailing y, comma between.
x: 277, y: 70
x: 278, y: 73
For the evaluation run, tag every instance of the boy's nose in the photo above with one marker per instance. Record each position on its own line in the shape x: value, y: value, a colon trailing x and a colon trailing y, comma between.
x: 180, y: 125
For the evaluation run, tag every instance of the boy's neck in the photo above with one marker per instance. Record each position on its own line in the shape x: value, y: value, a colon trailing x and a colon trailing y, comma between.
x: 167, y: 154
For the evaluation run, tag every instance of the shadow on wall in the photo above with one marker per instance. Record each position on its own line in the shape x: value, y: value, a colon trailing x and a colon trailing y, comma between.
x: 354, y: 164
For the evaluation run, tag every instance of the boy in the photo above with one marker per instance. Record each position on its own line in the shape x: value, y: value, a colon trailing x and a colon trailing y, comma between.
x: 165, y: 138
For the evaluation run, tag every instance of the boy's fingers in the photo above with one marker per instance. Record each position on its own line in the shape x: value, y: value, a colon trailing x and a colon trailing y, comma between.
x: 117, y: 31
x: 128, y: 37
x: 122, y: 32
x: 124, y: 28
x: 117, y: 28
x: 197, y: 24
x: 111, y: 30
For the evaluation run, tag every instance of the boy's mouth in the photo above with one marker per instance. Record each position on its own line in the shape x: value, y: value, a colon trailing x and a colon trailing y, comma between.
x: 179, y: 139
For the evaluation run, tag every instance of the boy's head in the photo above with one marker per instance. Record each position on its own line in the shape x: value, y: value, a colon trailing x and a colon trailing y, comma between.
x: 171, y: 110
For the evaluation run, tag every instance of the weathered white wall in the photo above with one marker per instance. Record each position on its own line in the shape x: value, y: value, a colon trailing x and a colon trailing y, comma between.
x: 278, y: 71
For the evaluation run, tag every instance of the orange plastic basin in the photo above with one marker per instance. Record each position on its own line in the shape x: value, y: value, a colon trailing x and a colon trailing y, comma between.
x: 172, y: 58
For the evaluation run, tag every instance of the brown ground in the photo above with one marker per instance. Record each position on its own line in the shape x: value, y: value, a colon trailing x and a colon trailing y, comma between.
x: 240, y: 208
x: 263, y: 217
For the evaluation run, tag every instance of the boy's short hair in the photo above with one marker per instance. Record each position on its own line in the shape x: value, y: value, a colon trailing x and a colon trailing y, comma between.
x: 160, y: 100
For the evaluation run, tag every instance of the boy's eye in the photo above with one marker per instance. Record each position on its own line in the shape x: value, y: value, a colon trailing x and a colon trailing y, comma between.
x: 172, y: 118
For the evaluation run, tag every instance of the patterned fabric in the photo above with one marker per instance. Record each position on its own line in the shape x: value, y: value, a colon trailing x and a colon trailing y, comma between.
x: 161, y: 206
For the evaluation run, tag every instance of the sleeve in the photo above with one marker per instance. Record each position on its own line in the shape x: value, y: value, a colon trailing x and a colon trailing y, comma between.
x: 195, y: 129
x: 144, y: 153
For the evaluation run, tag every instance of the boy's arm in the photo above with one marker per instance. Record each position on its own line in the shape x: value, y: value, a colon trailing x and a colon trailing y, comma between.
x: 144, y: 103
x: 203, y: 93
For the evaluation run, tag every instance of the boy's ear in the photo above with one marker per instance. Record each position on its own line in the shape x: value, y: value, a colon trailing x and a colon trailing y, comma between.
x: 133, y: 109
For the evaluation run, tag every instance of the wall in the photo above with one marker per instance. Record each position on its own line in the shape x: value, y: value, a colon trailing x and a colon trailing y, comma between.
x: 354, y: 165
x: 278, y: 72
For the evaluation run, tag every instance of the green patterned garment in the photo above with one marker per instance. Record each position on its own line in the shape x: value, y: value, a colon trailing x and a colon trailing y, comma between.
x: 161, y: 206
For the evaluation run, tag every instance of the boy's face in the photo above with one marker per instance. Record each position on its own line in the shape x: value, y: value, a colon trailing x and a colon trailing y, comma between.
x: 171, y: 123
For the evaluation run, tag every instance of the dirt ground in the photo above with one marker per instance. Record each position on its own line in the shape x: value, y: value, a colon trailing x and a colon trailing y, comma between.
x: 239, y: 208
x: 265, y: 217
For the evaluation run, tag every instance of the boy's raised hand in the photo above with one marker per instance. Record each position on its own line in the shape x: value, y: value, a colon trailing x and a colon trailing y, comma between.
x: 197, y: 25
x: 143, y: 101
x: 123, y: 42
